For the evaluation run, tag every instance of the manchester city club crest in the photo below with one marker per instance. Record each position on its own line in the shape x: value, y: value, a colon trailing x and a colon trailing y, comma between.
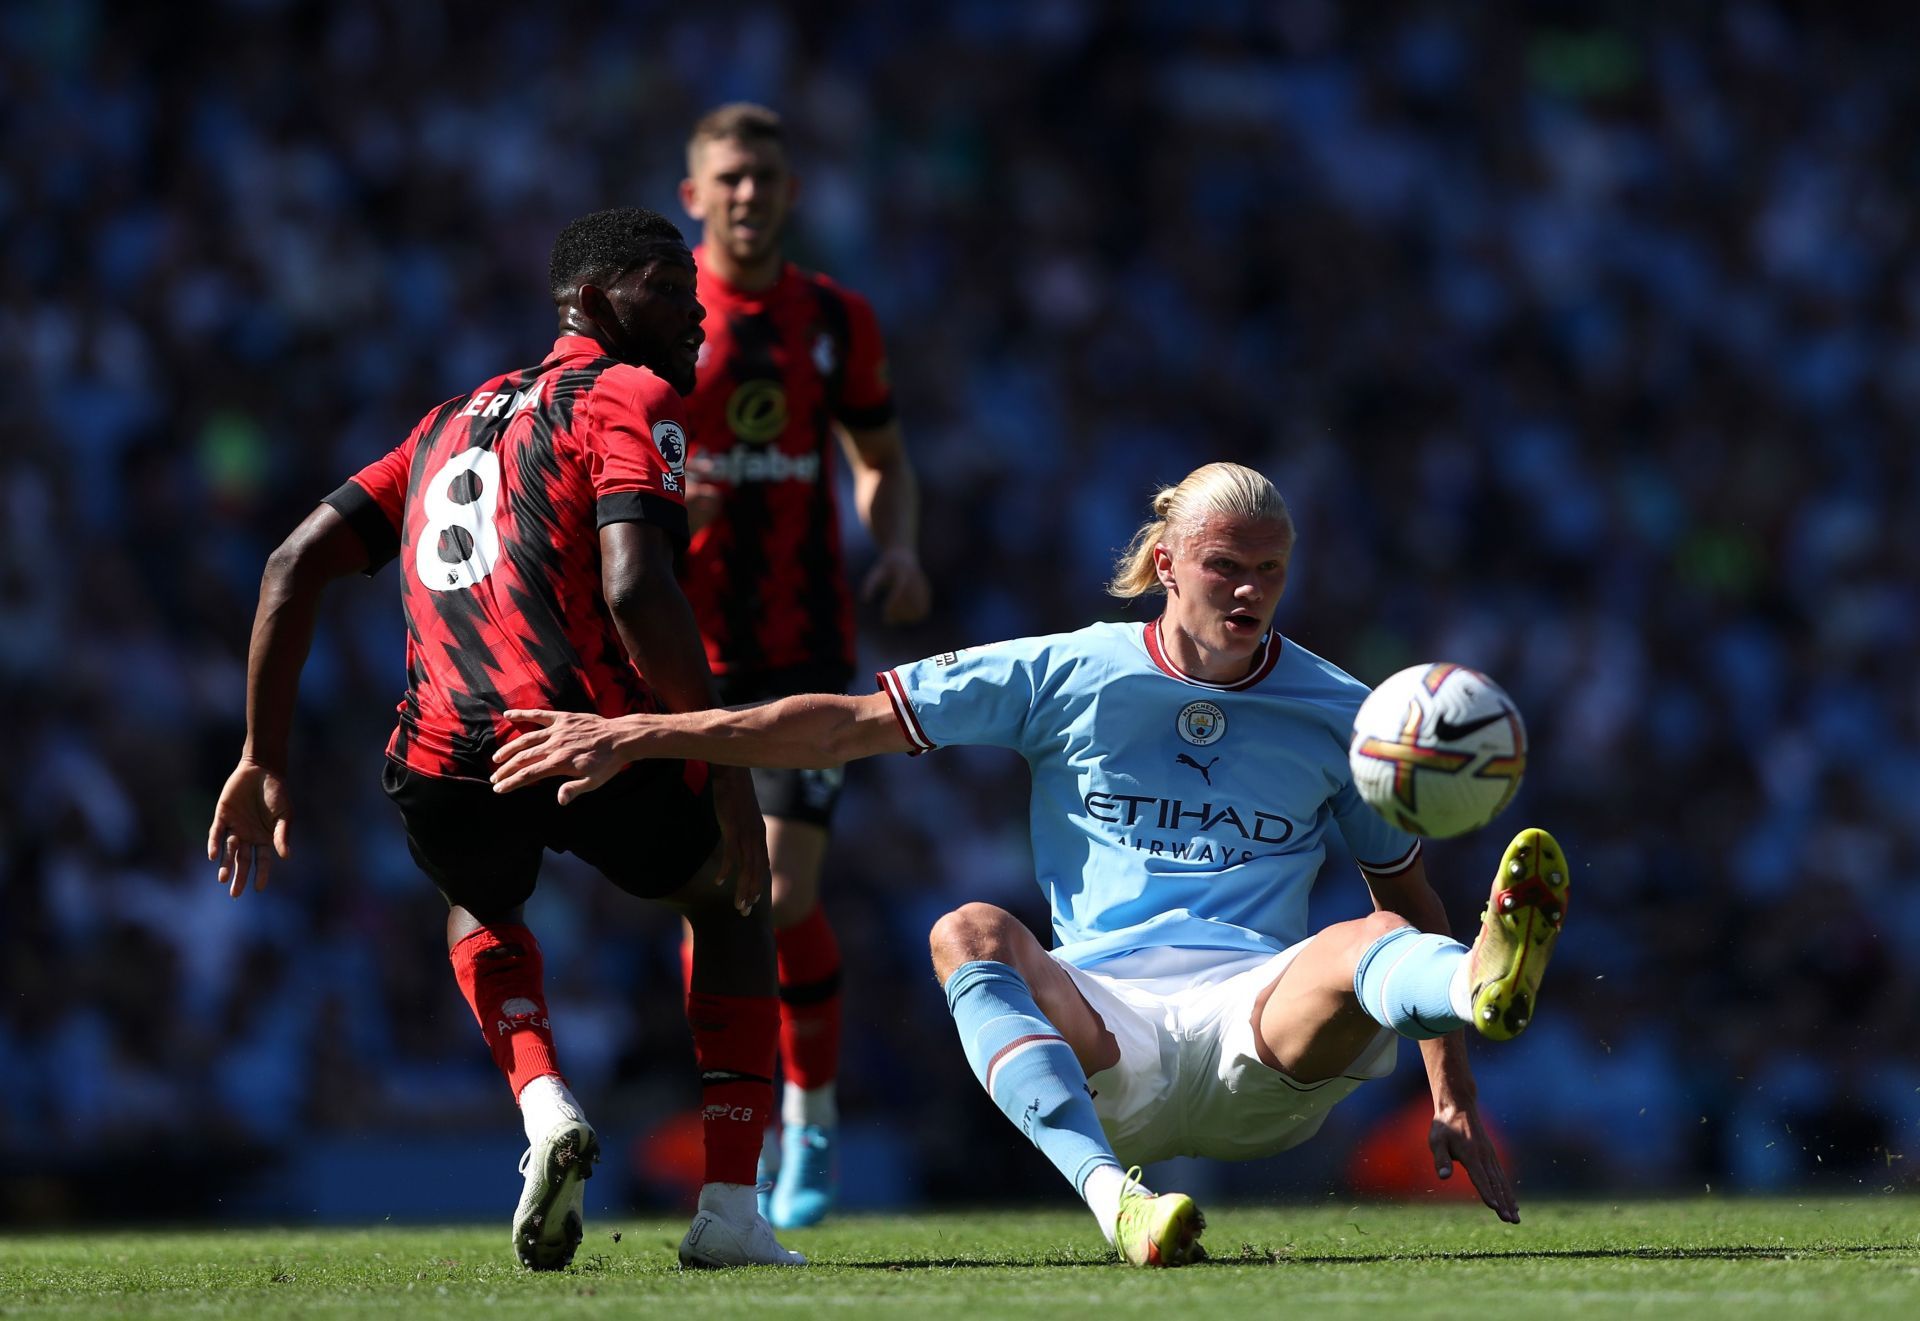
x: 1201, y: 723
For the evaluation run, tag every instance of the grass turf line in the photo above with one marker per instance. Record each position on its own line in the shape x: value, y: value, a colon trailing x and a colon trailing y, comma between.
x: 1712, y: 1257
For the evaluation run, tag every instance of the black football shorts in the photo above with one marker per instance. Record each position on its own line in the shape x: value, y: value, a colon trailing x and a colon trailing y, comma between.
x: 808, y: 795
x: 648, y: 830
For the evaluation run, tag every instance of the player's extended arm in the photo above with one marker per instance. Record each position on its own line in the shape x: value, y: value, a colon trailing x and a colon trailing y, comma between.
x: 886, y: 494
x: 657, y: 626
x: 1456, y: 1132
x: 254, y: 808
x: 804, y: 731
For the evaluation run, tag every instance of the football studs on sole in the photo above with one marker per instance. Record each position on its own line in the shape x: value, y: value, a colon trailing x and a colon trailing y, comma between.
x: 548, y: 1224
x: 1522, y: 920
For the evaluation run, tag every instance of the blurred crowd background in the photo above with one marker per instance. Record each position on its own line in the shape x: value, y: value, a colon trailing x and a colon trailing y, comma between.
x: 1585, y: 344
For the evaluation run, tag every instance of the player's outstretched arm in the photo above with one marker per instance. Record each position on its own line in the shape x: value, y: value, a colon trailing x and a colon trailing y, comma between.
x: 254, y: 808
x: 886, y: 492
x: 805, y: 731
x: 1457, y: 1133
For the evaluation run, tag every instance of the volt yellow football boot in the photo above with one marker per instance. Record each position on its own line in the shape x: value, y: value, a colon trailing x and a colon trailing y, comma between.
x: 1160, y: 1229
x: 1524, y: 916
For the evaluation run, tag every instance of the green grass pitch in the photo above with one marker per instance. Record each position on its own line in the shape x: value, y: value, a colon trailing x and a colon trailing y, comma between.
x: 1713, y: 1257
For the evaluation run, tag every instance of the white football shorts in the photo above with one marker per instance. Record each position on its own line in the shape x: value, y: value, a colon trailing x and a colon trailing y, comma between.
x: 1189, y: 1081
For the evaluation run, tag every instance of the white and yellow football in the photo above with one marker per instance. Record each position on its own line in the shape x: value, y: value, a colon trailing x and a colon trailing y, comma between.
x: 1438, y: 749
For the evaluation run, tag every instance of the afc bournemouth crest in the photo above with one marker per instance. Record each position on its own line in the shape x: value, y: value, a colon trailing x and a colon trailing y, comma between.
x: 1201, y: 723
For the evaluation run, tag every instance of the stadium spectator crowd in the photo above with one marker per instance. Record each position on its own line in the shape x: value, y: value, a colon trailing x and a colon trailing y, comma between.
x: 1586, y: 349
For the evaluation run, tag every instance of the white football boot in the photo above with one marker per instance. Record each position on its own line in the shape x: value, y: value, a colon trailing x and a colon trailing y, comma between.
x: 549, y: 1222
x: 730, y: 1231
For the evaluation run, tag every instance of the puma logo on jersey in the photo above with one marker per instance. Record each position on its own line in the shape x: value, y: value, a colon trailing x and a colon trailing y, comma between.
x: 1206, y: 772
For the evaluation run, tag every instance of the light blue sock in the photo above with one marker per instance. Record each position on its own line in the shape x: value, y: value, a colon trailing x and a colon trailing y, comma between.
x: 1406, y: 981
x: 1027, y: 1067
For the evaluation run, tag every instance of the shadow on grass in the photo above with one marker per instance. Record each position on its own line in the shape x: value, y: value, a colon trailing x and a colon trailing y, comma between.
x: 1727, y: 1252
x: 966, y: 1263
x: 1250, y: 1256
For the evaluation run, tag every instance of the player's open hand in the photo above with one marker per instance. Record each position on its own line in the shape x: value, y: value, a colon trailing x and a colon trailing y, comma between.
x: 743, y: 837
x: 573, y: 744
x: 249, y: 827
x: 900, y: 585
x: 1458, y: 1135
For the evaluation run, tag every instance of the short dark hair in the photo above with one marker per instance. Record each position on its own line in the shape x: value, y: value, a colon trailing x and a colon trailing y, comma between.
x: 597, y: 247
x: 736, y: 121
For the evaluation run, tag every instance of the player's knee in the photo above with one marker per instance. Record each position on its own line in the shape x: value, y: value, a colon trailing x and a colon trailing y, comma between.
x: 971, y: 932
x: 1377, y: 924
x: 711, y: 916
x: 1374, y: 925
x: 792, y: 901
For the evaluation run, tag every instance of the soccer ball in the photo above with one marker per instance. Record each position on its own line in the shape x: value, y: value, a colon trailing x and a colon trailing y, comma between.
x: 1438, y: 750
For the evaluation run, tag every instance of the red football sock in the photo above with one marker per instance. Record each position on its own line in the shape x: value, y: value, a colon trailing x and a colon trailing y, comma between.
x: 499, y: 969
x: 809, y: 1000
x: 733, y: 1040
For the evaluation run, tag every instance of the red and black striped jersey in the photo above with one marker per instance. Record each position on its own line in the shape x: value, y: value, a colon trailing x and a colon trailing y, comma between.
x: 780, y: 366
x: 493, y: 505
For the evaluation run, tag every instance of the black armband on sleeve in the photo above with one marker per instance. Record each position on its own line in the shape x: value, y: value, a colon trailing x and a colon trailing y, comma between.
x: 365, y: 516
x: 645, y: 507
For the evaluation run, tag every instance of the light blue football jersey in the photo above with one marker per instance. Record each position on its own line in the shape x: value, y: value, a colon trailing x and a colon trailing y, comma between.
x: 1167, y: 811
